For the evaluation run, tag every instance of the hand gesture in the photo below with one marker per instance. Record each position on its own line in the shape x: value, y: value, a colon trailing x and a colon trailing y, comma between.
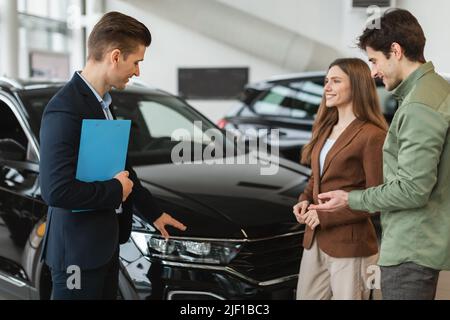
x: 311, y: 218
x: 299, y: 210
x: 331, y: 201
x: 166, y: 219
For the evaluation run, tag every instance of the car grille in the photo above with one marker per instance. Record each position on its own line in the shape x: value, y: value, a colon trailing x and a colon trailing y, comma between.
x: 269, y: 259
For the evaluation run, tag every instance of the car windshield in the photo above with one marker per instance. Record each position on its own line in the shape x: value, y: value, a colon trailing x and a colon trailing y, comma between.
x: 159, y: 123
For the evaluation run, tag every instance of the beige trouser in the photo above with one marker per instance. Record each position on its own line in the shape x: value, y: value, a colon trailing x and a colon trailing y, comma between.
x: 323, y: 277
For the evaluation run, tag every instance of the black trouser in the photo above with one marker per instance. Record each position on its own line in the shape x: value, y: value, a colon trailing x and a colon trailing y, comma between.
x: 101, y: 283
x: 408, y: 281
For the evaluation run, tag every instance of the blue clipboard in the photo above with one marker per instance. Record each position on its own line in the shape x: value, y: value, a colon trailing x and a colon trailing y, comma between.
x: 103, y: 149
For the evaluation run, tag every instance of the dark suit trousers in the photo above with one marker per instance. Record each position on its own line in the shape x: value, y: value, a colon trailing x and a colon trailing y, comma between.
x: 96, y: 284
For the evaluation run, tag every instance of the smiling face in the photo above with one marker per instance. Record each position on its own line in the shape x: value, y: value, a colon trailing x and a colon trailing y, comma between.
x: 125, y: 68
x: 388, y: 70
x: 338, y: 91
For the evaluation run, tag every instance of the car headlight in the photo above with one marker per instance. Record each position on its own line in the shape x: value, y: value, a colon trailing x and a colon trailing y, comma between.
x: 212, y: 252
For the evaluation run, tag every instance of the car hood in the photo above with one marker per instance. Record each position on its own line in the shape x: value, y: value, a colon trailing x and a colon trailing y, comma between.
x: 227, y: 200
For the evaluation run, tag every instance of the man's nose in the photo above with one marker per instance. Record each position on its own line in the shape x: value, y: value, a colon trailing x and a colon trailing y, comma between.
x: 137, y: 72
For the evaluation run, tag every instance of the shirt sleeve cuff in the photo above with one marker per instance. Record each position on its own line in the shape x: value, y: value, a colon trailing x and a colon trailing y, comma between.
x: 355, y: 200
x: 118, y: 192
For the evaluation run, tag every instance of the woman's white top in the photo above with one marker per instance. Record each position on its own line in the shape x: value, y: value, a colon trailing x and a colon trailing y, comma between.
x: 323, y: 153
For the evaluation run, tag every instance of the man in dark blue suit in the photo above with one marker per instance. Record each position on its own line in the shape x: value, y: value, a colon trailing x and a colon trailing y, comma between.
x: 87, y: 221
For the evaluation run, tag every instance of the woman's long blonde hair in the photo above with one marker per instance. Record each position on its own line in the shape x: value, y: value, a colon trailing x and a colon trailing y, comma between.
x: 366, y: 104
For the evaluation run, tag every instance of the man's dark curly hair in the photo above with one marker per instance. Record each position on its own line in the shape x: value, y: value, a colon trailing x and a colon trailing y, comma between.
x: 396, y: 25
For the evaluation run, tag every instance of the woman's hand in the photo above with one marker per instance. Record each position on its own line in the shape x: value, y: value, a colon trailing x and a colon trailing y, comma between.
x: 311, y: 218
x: 299, y: 210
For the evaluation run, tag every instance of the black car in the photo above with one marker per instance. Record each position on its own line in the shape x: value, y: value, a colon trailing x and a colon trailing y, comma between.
x: 287, y: 103
x: 242, y: 240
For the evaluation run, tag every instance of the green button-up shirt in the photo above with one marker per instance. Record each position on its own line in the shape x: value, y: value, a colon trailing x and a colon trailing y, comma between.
x: 414, y: 200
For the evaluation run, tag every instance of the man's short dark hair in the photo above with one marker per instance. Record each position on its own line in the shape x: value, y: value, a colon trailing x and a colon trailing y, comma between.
x: 116, y: 30
x: 396, y: 25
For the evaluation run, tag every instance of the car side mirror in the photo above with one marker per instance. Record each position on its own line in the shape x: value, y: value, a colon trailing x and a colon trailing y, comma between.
x: 12, y: 150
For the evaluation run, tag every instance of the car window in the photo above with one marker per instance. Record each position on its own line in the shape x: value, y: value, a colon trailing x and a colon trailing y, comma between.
x: 35, y: 101
x: 155, y: 117
x: 10, y: 127
x: 11, y: 130
x: 297, y: 99
x: 163, y: 121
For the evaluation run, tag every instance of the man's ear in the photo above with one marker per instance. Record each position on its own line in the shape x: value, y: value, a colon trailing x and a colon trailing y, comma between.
x: 396, y: 50
x: 115, y: 56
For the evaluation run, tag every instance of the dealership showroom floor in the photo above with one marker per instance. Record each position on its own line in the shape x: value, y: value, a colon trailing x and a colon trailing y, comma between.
x: 180, y: 149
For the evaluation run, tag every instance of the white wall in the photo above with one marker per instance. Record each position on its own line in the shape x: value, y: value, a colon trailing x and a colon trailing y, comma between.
x: 339, y: 25
x: 317, y: 19
x: 174, y: 47
x: 334, y: 22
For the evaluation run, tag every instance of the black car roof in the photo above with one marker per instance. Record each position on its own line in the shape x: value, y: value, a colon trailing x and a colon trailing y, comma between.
x: 17, y: 85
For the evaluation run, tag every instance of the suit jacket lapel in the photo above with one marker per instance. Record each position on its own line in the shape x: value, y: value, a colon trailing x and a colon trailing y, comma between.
x: 113, y: 113
x: 342, y: 141
x: 95, y: 107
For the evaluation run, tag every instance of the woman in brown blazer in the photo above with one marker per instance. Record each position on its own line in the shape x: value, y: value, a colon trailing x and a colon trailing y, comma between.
x: 345, y: 153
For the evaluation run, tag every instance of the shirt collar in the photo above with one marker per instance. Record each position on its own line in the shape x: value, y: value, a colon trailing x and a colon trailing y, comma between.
x: 407, y: 85
x: 105, y: 101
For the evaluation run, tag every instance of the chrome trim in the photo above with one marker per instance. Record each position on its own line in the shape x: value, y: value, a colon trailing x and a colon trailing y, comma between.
x: 12, y: 82
x: 230, y: 271
x: 223, y: 240
x: 44, y: 85
x: 15, y: 108
x: 172, y: 293
x: 12, y: 280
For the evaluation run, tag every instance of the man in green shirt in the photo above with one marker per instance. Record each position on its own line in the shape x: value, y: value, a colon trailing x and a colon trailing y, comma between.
x: 414, y: 200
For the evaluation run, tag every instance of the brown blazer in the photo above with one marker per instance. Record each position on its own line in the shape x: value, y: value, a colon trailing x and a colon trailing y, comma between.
x: 353, y: 162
